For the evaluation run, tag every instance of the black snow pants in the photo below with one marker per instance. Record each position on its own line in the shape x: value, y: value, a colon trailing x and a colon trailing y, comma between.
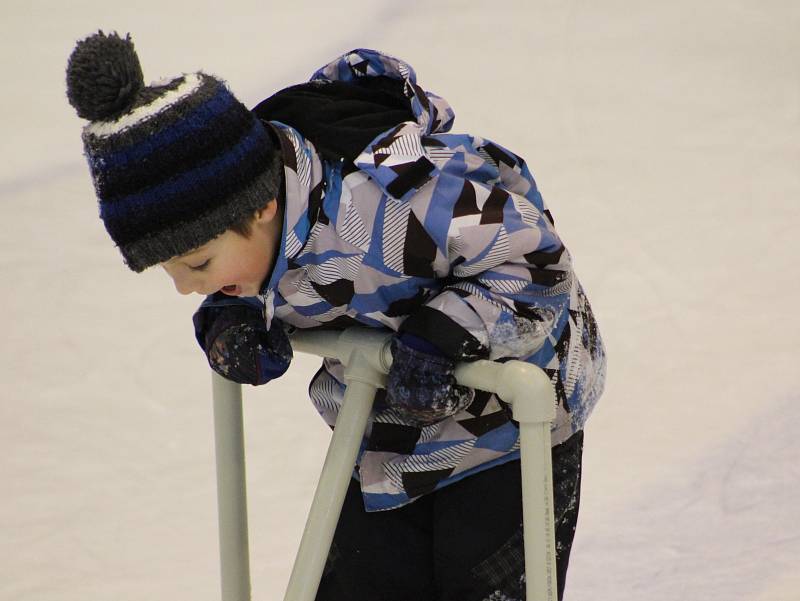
x: 460, y: 543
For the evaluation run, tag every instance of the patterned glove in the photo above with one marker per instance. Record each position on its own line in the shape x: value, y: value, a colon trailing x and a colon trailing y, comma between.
x: 238, y: 345
x: 421, y: 386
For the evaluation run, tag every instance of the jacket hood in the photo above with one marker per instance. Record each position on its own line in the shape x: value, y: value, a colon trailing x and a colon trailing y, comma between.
x: 432, y: 113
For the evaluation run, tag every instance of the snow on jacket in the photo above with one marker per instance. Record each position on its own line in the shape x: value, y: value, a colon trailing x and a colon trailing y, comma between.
x: 445, y: 236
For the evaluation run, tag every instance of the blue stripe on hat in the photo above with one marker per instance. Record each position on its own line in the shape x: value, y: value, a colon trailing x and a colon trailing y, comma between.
x: 217, y: 105
x: 185, y: 182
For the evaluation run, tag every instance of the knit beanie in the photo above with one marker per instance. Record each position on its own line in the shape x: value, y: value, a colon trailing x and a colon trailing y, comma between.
x: 174, y: 164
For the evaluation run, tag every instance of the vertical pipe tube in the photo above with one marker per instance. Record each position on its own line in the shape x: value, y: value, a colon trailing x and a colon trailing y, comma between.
x: 330, y: 493
x: 537, y: 511
x: 231, y: 490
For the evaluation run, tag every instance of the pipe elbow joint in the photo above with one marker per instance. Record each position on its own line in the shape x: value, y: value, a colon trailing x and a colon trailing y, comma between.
x: 529, y: 391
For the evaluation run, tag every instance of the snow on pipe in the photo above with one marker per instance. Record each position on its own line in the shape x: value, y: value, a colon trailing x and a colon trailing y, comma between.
x: 367, y: 358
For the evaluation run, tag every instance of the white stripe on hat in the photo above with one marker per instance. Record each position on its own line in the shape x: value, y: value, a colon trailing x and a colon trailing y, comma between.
x: 104, y: 129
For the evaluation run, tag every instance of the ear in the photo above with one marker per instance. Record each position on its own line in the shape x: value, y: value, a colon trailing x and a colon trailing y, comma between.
x: 267, y: 213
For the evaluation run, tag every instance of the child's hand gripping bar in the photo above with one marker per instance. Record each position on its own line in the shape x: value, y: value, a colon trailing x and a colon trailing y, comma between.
x: 367, y: 358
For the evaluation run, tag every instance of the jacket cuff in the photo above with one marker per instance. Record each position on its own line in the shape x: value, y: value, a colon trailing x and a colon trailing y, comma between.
x: 450, y: 338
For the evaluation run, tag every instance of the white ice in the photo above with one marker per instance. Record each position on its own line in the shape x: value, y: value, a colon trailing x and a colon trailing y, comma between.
x: 663, y: 135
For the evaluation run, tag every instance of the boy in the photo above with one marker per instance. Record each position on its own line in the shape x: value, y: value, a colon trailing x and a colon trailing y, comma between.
x: 342, y: 202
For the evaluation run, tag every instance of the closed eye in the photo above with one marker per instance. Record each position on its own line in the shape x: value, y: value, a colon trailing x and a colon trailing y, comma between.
x: 200, y: 267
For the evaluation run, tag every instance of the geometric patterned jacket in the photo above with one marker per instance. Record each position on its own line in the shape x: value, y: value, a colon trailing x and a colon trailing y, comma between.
x: 442, y: 235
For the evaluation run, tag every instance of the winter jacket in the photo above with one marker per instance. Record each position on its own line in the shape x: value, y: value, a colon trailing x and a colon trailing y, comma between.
x: 447, y: 237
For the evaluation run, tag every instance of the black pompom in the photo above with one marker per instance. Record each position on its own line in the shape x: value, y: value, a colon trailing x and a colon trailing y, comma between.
x: 103, y: 76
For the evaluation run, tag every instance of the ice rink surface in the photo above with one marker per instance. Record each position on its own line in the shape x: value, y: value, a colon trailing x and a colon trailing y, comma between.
x: 664, y: 137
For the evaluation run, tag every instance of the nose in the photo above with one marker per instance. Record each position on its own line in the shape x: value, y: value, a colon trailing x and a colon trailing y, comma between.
x: 183, y: 284
x: 183, y: 287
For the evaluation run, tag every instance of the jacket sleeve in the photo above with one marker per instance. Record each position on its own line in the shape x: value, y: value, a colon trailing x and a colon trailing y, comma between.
x: 509, y: 276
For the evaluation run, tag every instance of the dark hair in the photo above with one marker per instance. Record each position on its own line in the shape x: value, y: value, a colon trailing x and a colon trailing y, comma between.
x: 244, y: 226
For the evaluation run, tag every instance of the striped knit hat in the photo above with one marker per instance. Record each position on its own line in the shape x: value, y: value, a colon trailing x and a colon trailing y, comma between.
x: 175, y: 163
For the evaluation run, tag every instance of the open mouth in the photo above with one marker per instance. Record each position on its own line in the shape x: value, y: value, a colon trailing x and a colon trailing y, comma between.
x: 231, y: 289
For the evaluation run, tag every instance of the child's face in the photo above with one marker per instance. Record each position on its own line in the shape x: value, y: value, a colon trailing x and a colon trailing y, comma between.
x: 230, y: 263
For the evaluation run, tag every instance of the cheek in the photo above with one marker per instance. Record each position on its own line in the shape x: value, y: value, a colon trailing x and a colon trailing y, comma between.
x: 252, y: 266
x: 258, y: 265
